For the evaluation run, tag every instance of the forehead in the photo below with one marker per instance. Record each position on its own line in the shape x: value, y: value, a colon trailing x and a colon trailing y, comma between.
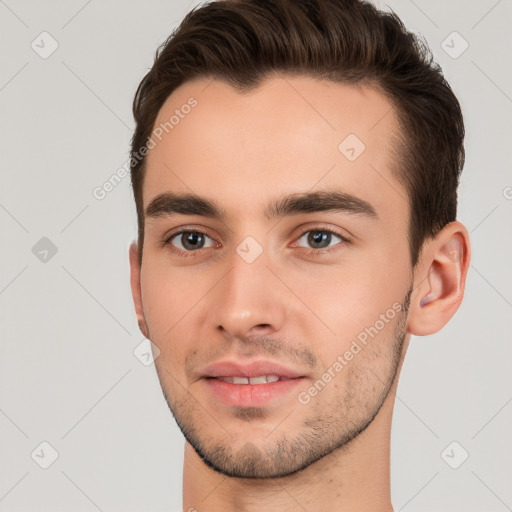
x: 291, y: 134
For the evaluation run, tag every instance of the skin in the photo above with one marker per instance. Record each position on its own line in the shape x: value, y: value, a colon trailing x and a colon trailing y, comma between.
x: 301, y: 310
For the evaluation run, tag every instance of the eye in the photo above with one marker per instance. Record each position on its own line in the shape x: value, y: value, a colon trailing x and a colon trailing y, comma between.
x: 190, y: 241
x: 319, y: 239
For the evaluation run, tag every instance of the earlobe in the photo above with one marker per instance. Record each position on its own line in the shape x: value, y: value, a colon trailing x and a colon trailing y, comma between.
x: 440, y: 280
x: 135, y: 282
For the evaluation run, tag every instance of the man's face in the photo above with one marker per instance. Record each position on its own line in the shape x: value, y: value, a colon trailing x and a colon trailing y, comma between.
x: 275, y: 291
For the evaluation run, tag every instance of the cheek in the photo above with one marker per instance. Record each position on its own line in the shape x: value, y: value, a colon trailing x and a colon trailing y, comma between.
x: 348, y: 302
x: 167, y: 296
x: 166, y: 302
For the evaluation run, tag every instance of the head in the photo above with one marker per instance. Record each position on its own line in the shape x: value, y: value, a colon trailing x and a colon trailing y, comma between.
x: 295, y: 169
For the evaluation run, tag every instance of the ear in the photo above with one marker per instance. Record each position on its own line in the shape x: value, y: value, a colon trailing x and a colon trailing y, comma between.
x: 439, y: 280
x: 135, y: 273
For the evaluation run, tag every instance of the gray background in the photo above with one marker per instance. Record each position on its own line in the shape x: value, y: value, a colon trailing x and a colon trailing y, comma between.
x: 68, y: 372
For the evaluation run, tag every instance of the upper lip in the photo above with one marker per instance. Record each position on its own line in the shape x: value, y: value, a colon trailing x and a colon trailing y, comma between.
x: 252, y: 369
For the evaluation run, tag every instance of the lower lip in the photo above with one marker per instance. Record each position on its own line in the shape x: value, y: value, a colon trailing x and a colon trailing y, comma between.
x: 250, y: 395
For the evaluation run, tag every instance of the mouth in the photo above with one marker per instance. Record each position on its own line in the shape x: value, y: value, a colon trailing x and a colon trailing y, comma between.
x: 262, y: 379
x: 253, y: 392
x: 254, y: 384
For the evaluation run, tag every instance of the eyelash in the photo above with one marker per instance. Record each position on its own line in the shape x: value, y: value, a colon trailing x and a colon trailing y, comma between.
x: 309, y: 252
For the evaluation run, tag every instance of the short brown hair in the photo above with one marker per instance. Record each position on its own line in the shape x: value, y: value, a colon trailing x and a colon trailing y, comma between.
x: 344, y: 41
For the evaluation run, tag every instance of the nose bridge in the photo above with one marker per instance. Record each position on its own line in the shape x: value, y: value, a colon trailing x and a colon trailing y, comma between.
x: 248, y: 298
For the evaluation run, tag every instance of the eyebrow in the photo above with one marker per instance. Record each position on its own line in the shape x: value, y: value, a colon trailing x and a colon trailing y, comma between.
x: 169, y: 204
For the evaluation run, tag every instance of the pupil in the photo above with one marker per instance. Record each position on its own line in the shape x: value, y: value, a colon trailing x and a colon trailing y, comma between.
x: 191, y: 240
x: 317, y: 237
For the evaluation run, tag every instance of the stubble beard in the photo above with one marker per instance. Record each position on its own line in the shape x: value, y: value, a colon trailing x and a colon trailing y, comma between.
x: 326, y: 430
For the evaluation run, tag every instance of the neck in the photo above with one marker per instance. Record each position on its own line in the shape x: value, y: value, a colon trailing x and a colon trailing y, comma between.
x: 354, y: 477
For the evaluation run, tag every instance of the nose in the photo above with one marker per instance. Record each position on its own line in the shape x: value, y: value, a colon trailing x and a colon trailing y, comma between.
x: 249, y: 300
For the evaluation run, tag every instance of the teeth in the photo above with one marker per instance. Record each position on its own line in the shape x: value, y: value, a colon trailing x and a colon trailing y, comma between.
x: 258, y: 380
x: 263, y: 379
